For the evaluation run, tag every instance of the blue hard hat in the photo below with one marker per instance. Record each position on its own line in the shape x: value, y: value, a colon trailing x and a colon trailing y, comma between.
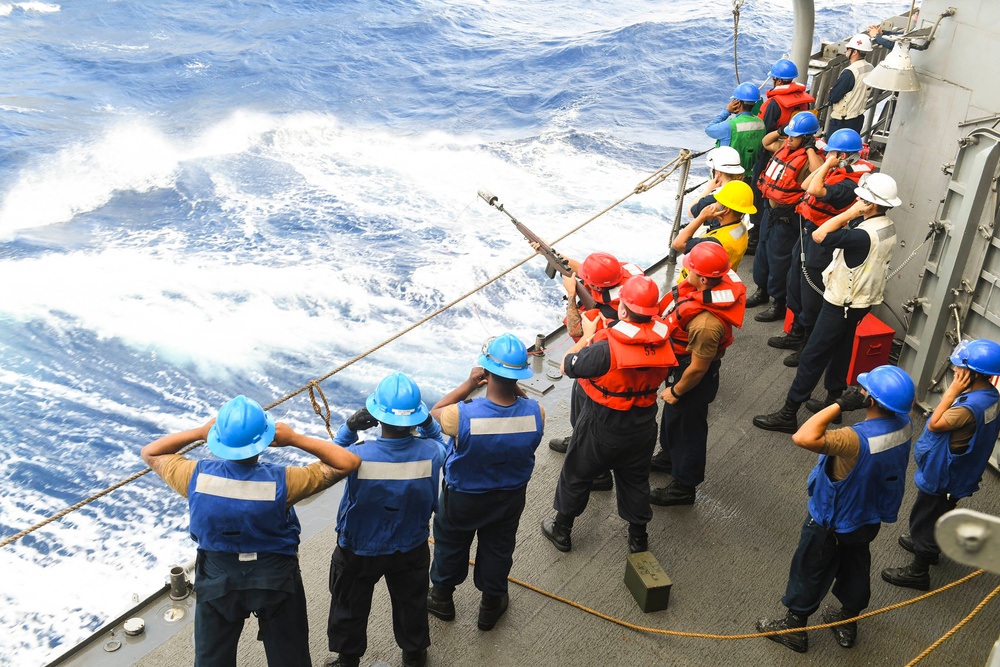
x: 981, y: 356
x: 784, y: 69
x: 506, y: 356
x: 396, y: 401
x: 804, y: 122
x: 746, y: 92
x: 890, y: 387
x: 241, y: 431
x: 845, y: 140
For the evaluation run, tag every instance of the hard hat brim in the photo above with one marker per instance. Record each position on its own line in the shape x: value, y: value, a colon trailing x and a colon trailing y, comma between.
x: 504, y: 371
x: 223, y: 451
x: 873, y: 198
x: 415, y: 418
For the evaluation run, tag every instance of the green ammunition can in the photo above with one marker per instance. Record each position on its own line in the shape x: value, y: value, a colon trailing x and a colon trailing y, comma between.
x: 648, y: 583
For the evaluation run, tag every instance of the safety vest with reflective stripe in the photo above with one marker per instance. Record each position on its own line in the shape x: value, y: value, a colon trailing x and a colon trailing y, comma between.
x: 873, y: 491
x: 780, y: 179
x: 640, y: 361
x: 818, y: 210
x: 939, y: 471
x: 388, y: 501
x: 791, y: 98
x: 727, y: 301
x: 241, y: 508
x: 746, y: 132
x: 609, y: 295
x: 495, y: 447
x: 863, y: 285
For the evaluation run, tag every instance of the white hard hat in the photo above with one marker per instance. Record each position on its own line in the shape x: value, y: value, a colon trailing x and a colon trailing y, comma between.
x: 725, y: 159
x: 860, y: 42
x: 878, y: 189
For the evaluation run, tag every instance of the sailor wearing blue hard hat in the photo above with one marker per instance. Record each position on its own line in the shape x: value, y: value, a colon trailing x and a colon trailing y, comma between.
x: 856, y: 485
x: 951, y: 455
x: 737, y: 125
x: 491, y: 455
x: 382, y: 525
x: 246, y: 529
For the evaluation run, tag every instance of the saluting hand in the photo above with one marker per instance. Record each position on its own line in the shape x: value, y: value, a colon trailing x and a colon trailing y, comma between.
x: 203, y: 431
x: 962, y: 381
x: 283, y: 435
x: 477, y: 377
x: 734, y: 106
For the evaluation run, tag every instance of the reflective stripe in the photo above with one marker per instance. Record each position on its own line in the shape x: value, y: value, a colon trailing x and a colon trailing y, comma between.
x: 613, y: 293
x: 886, y: 232
x: 723, y: 296
x: 632, y: 269
x: 734, y: 277
x: 660, y: 328
x: 502, y: 425
x: 991, y: 413
x: 881, y: 443
x: 237, y: 489
x: 395, y: 471
x: 626, y: 328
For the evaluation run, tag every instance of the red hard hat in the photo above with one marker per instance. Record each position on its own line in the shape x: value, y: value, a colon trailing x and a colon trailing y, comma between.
x: 601, y: 269
x: 708, y: 259
x: 641, y: 295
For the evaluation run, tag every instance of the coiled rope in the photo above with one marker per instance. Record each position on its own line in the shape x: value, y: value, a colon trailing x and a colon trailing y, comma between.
x: 312, y: 387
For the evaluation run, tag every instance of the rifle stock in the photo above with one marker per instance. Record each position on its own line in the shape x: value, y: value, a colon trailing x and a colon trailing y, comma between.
x: 556, y: 263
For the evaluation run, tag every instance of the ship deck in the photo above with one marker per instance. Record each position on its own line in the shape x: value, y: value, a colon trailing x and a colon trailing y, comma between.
x: 727, y: 556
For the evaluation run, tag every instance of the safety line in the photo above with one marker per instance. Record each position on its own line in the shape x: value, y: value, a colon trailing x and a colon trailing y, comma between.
x: 650, y: 182
x: 958, y: 626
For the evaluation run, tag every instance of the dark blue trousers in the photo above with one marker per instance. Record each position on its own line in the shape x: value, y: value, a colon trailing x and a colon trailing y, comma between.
x: 802, y: 298
x: 494, y: 516
x: 855, y: 124
x: 779, y: 229
x: 684, y: 427
x: 824, y: 558
x: 229, y: 590
x: 828, y: 351
x: 927, y: 509
x: 352, y: 582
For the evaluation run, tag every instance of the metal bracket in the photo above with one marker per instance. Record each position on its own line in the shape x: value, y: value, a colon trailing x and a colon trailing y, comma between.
x: 971, y: 538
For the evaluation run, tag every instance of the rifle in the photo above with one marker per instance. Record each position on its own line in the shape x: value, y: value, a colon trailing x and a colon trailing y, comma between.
x: 556, y: 262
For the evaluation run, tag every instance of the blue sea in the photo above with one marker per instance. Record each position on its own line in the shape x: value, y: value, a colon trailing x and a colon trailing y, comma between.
x: 200, y: 199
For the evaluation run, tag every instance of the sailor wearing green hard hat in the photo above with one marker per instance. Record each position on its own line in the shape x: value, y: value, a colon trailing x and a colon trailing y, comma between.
x: 491, y: 456
x: 382, y: 525
x: 244, y: 523
x: 855, y: 487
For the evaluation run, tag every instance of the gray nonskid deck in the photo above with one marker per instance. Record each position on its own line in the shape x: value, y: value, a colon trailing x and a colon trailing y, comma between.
x: 727, y: 555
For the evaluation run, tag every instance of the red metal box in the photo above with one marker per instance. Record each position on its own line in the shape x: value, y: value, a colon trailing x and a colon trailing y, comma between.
x: 872, y: 344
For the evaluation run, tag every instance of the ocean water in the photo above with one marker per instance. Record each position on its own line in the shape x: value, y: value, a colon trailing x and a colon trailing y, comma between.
x: 205, y: 199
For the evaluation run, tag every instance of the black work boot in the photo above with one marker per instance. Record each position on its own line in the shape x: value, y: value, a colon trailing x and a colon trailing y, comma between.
x: 813, y: 405
x: 440, y: 603
x: 797, y: 641
x: 638, y: 538
x: 784, y: 420
x: 758, y: 298
x: 559, y: 444
x: 661, y: 461
x: 846, y: 634
x: 557, y: 533
x: 344, y: 660
x: 914, y: 575
x: 603, y: 482
x: 906, y: 541
x: 415, y: 658
x: 674, y: 493
x: 792, y: 360
x: 773, y: 313
x: 789, y: 341
x: 491, y: 608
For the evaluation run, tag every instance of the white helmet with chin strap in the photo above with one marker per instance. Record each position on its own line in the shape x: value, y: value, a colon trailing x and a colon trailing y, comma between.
x: 878, y: 189
x: 725, y: 159
x: 860, y: 42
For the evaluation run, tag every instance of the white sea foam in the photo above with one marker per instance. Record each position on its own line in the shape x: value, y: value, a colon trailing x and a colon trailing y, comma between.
x: 40, y: 7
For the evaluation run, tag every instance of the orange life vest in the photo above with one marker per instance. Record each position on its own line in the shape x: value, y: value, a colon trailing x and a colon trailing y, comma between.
x: 727, y: 301
x: 609, y: 295
x: 819, y: 211
x: 780, y: 179
x: 640, y: 360
x: 792, y: 98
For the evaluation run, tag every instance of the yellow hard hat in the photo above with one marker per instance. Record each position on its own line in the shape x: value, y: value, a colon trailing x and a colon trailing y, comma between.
x: 736, y: 195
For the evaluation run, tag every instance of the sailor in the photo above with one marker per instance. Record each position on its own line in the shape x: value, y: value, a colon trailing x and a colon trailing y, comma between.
x: 849, y: 94
x: 829, y: 191
x: 724, y: 166
x: 619, y: 369
x: 786, y: 98
x: 951, y: 455
x: 863, y: 238
x: 245, y: 526
x: 795, y: 156
x: 490, y: 458
x: 700, y: 314
x: 603, y: 276
x: 737, y: 126
x: 383, y: 523
x: 730, y: 204
x: 856, y: 485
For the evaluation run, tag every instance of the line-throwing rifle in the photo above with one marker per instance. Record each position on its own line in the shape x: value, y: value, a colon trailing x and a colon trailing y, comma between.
x: 556, y: 262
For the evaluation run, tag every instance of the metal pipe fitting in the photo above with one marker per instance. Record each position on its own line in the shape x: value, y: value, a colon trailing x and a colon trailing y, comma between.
x: 178, y: 583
